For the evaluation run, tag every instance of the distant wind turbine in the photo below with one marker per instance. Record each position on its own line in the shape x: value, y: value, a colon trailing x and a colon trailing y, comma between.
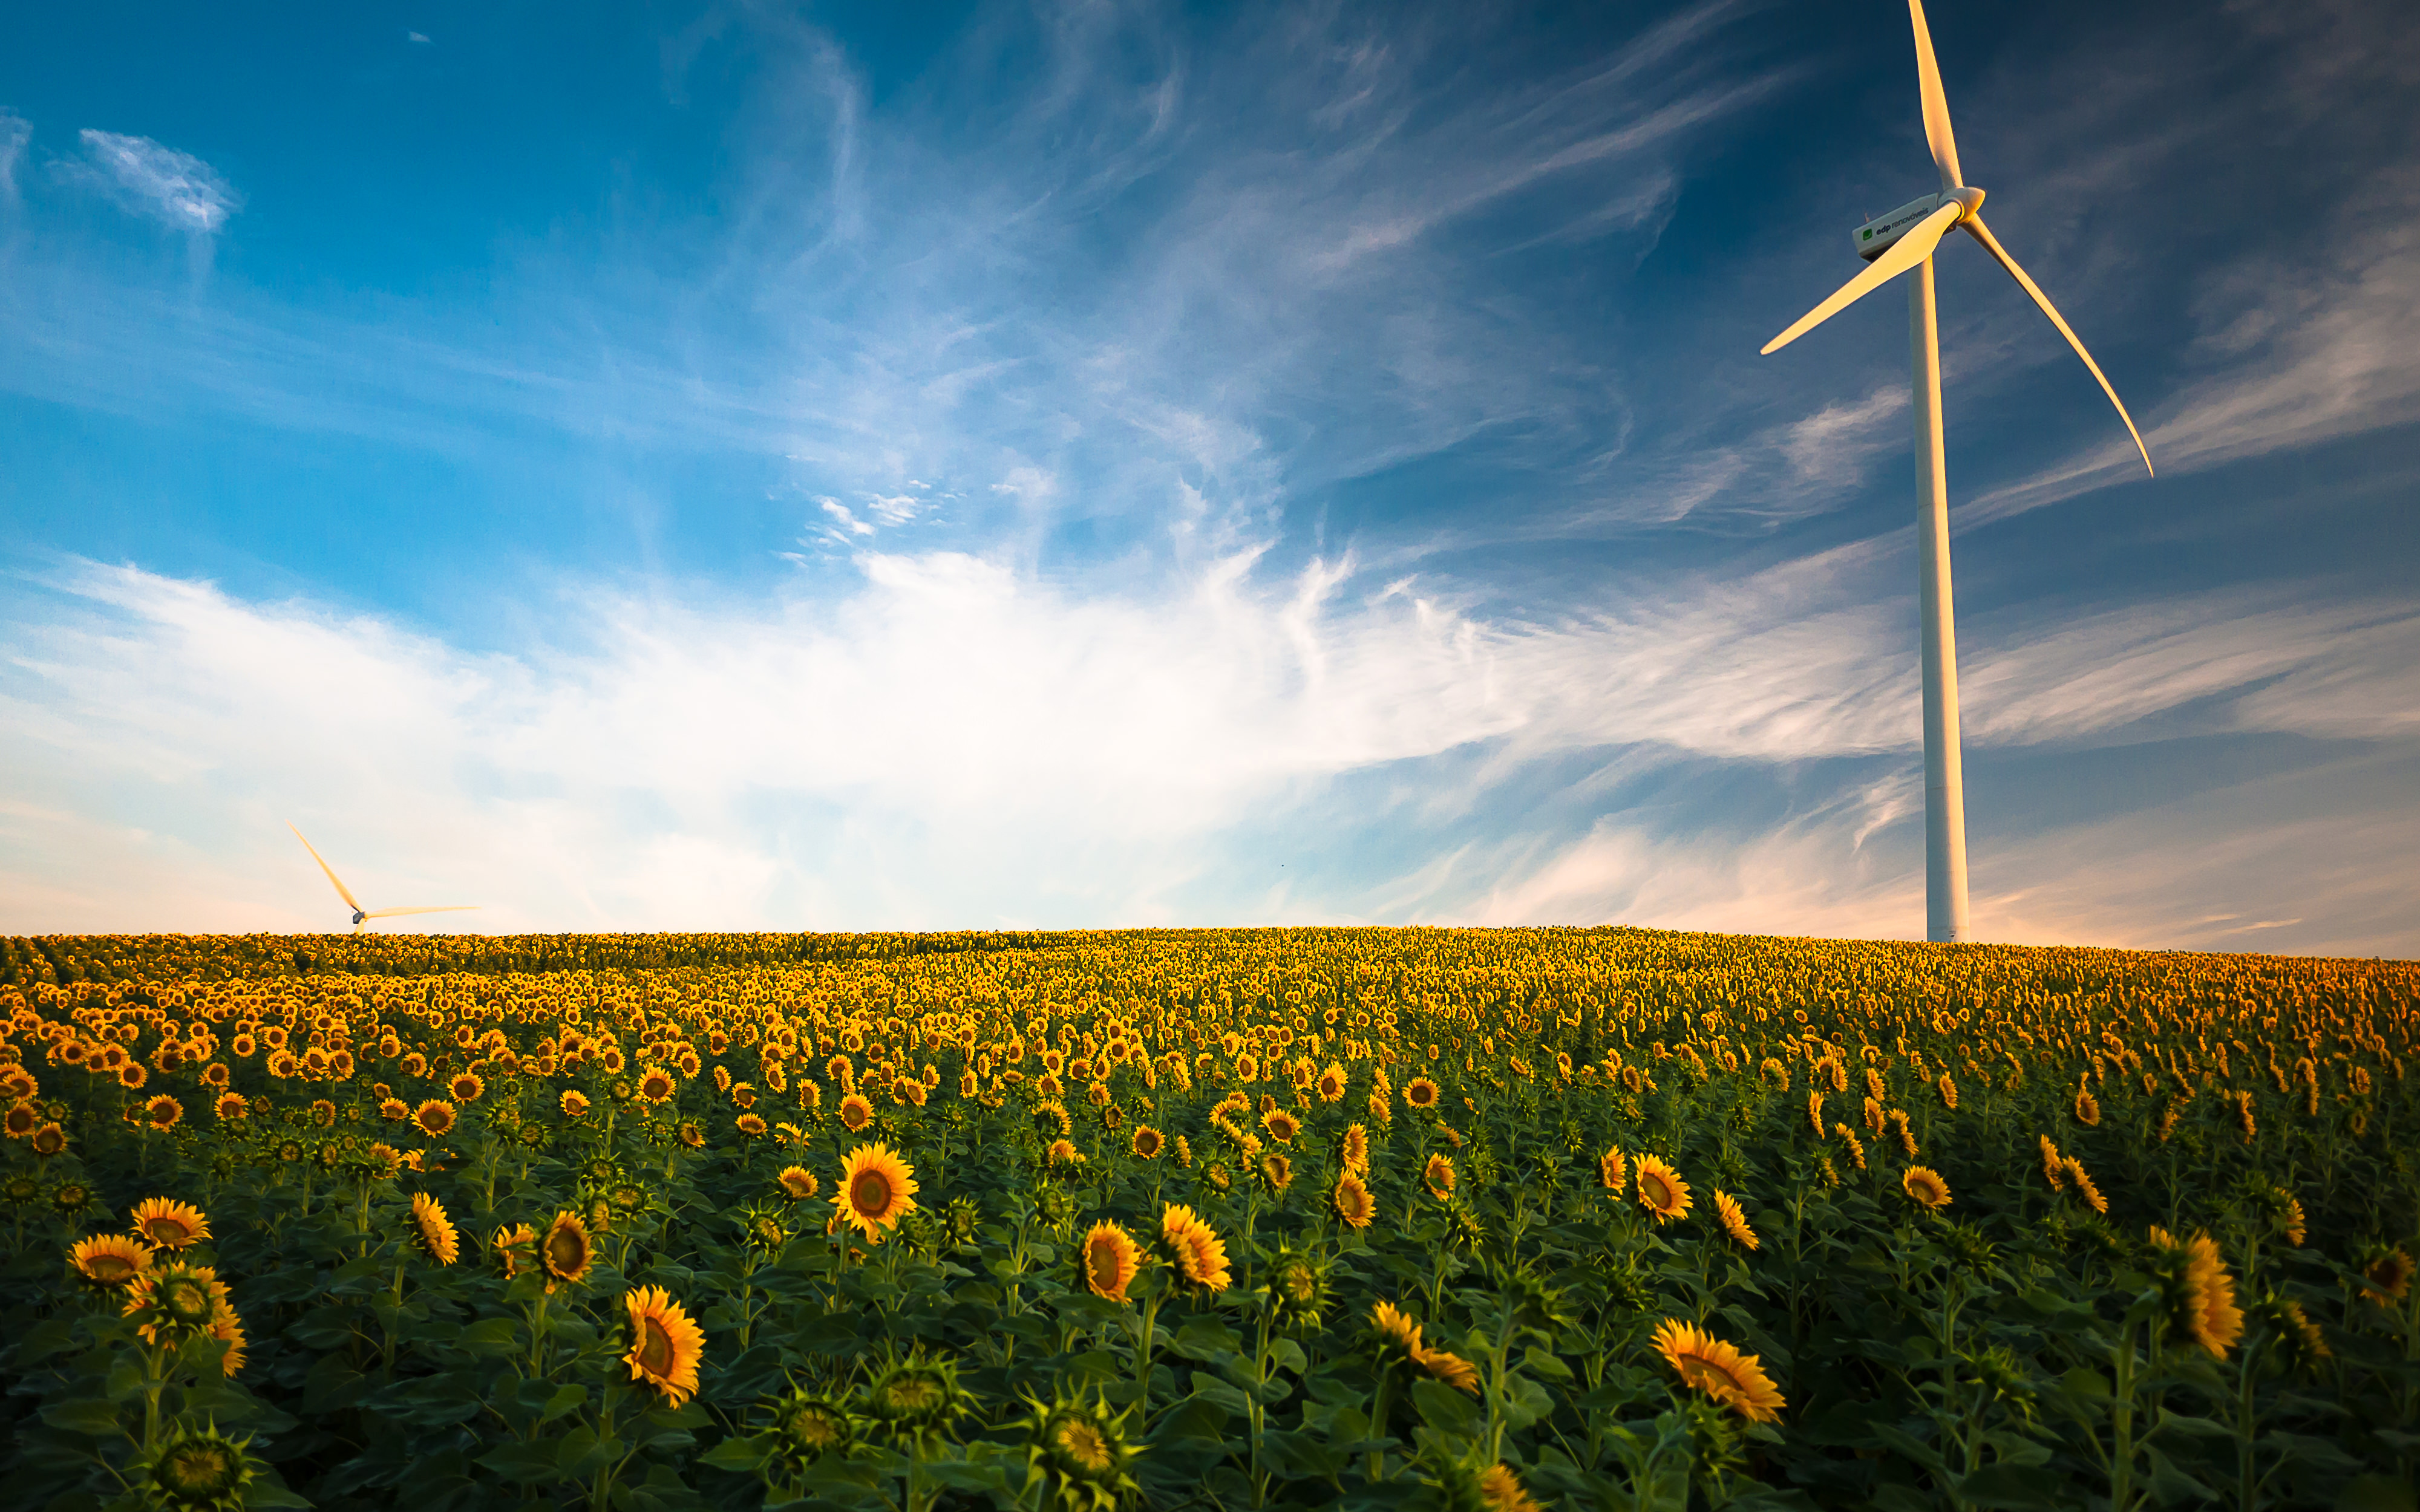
x: 361, y: 915
x: 1899, y: 242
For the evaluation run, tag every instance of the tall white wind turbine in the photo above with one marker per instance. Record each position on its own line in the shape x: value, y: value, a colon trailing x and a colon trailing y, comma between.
x: 361, y: 915
x: 1899, y: 242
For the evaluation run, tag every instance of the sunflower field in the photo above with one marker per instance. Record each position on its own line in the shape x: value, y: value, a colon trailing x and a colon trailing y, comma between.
x: 1602, y: 1218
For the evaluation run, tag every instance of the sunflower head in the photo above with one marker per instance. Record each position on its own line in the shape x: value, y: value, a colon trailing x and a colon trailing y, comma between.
x: 665, y: 1345
x: 876, y: 1189
x: 1708, y: 1365
x: 1276, y: 1171
x: 566, y: 1251
x: 2298, y: 1339
x: 198, y: 1469
x: 1300, y: 1289
x: 170, y: 1225
x: 433, y: 1230
x: 1081, y: 1453
x: 1111, y: 1260
x: 798, y: 1183
x: 2197, y: 1289
x: 807, y: 1428
x: 1661, y: 1190
x: 515, y: 1249
x: 1925, y: 1187
x: 110, y: 1261
x: 173, y: 1302
x: 764, y: 1228
x: 1613, y: 1170
x: 1734, y: 1221
x: 1199, y: 1255
x: 2386, y: 1273
x: 1352, y: 1201
x: 1438, y: 1177
x: 916, y: 1397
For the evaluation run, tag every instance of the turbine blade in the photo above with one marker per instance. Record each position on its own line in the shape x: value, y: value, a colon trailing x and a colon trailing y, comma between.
x: 1982, y: 233
x: 454, y: 908
x: 1936, y: 105
x: 341, y: 889
x: 1903, y: 255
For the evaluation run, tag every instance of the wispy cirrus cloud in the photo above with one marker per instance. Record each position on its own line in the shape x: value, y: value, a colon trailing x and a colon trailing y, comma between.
x: 174, y: 188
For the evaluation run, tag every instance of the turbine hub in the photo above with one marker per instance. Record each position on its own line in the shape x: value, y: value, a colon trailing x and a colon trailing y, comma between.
x: 1969, y: 197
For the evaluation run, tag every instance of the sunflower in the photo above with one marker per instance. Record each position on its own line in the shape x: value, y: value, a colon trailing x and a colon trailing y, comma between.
x: 1437, y: 1176
x: 1661, y: 1190
x: 1282, y: 1126
x: 2054, y: 1164
x: 1111, y: 1261
x: 1399, y: 1337
x: 2201, y: 1293
x: 572, y: 1104
x: 2087, y: 1108
x: 2287, y: 1211
x: 665, y: 1346
x: 466, y: 1086
x: 173, y: 1302
x: 434, y: 1229
x: 2074, y: 1170
x: 163, y: 1112
x: 2305, y: 1345
x: 1062, y: 1152
x: 1352, y: 1201
x: 798, y: 1183
x: 1500, y: 1489
x: 566, y: 1251
x: 1357, y: 1148
x: 751, y: 1126
x: 1613, y: 1170
x: 1815, y: 1112
x: 169, y: 1226
x: 806, y: 1428
x: 1420, y: 1093
x: 1199, y: 1254
x: 1924, y: 1185
x: 656, y: 1086
x: 394, y: 1110
x: 22, y: 1118
x: 2387, y: 1275
x: 1734, y: 1221
x: 435, y: 1119
x: 1857, y: 1145
x: 110, y: 1261
x: 1081, y: 1444
x: 877, y: 1189
x: 1148, y: 1142
x: 198, y: 1469
x: 1330, y: 1085
x: 515, y: 1249
x: 230, y: 1107
x: 1711, y: 1365
x: 855, y: 1112
x: 1277, y: 1172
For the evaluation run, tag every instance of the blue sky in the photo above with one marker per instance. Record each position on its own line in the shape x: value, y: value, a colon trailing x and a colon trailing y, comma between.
x: 970, y: 465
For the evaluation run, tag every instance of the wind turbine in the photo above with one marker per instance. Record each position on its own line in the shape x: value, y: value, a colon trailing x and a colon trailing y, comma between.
x: 1899, y: 242
x: 361, y: 915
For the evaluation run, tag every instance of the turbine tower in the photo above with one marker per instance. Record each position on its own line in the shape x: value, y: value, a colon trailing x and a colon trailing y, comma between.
x: 362, y: 916
x: 1903, y: 242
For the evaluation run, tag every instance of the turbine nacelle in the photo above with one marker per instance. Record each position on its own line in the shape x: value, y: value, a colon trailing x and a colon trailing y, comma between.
x: 1877, y: 235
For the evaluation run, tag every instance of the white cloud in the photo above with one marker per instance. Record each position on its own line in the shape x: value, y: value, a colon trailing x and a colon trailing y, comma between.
x: 173, y: 187
x: 15, y: 132
x: 955, y: 742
